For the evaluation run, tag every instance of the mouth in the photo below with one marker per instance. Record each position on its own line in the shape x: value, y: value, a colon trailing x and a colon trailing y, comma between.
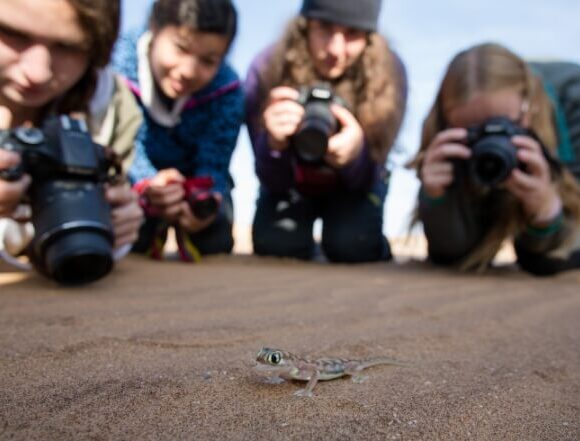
x: 27, y: 89
x: 330, y: 66
x: 261, y: 367
x: 178, y: 86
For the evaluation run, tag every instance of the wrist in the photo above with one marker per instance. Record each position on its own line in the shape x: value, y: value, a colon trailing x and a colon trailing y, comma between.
x: 431, y: 199
x: 546, y: 217
x: 432, y: 193
x: 547, y: 229
x: 276, y: 144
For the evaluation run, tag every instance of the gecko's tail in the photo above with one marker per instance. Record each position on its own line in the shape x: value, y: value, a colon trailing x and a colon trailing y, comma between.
x: 384, y: 361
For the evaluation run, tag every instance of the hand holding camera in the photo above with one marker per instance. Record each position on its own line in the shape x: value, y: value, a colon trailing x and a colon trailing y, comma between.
x: 495, y: 153
x: 282, y: 116
x: 345, y: 145
x: 534, y: 188
x: 126, y: 214
x: 190, y: 202
x: 315, y: 123
x: 72, y: 219
x: 11, y: 191
x: 437, y: 171
x: 162, y: 195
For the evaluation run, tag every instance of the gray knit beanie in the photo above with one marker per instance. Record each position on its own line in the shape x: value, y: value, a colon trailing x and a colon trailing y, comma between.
x: 358, y: 14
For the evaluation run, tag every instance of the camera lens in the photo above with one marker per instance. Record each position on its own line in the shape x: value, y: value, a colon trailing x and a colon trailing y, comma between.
x: 203, y: 205
x: 492, y: 161
x: 311, y: 140
x: 73, y: 232
x: 490, y: 168
x: 79, y: 257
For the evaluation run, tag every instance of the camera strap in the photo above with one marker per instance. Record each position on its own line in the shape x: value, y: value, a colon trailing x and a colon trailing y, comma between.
x: 554, y: 163
x: 115, y: 165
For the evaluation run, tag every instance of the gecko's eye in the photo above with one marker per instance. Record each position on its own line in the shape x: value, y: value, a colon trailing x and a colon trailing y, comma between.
x: 275, y: 357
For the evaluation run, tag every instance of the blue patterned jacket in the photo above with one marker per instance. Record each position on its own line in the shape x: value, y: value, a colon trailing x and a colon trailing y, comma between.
x: 201, y: 139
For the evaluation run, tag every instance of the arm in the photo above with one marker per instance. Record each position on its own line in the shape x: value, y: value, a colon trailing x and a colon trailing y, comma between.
x: 11, y: 192
x: 360, y: 173
x: 273, y: 167
x: 141, y: 167
x: 217, y: 141
x: 453, y: 224
x: 449, y: 214
x: 549, y: 222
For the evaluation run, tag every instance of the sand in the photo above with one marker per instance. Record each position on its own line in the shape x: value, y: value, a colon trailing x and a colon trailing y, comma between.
x: 165, y: 350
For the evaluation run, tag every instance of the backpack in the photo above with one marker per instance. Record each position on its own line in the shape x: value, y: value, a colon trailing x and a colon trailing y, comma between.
x: 562, y: 83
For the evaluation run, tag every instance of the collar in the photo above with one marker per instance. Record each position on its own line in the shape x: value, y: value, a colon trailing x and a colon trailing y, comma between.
x: 149, y: 94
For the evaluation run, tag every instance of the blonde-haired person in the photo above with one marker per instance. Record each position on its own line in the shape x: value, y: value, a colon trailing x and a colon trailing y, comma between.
x: 538, y: 202
x: 334, y: 42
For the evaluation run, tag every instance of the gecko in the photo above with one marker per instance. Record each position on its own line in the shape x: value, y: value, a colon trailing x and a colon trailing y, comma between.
x: 280, y: 365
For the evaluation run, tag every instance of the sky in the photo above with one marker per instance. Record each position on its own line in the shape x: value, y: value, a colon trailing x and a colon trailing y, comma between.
x: 426, y: 35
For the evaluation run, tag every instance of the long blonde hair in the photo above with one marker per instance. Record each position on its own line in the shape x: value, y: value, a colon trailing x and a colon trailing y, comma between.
x: 487, y: 68
x: 374, y: 87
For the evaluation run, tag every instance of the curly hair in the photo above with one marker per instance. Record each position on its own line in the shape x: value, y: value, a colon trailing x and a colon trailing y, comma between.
x: 373, y: 87
x: 488, y: 68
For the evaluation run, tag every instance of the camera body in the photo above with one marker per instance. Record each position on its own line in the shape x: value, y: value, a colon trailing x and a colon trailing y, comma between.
x: 200, y: 197
x: 310, y: 142
x: 493, y: 154
x: 72, y: 220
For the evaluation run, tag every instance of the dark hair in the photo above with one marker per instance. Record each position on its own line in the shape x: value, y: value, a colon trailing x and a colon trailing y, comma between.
x: 100, y: 20
x: 213, y: 16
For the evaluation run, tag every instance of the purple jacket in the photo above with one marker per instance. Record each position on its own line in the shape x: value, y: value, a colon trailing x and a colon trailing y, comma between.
x: 274, y: 168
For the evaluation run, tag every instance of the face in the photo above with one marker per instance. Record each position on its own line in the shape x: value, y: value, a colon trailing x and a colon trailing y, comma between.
x: 482, y: 106
x: 334, y: 48
x: 43, y: 52
x: 184, y: 61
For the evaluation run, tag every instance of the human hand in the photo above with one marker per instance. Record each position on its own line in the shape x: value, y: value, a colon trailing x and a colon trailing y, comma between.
x: 126, y: 214
x: 436, y: 172
x: 282, y: 116
x: 11, y: 192
x: 193, y: 224
x: 165, y: 194
x: 345, y: 145
x: 534, y: 188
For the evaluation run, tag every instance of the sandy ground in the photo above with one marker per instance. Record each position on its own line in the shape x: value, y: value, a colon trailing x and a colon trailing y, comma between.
x: 165, y: 350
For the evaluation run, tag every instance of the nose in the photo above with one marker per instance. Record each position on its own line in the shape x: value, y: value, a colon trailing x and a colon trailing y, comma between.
x: 36, y: 64
x: 337, y: 44
x: 188, y: 69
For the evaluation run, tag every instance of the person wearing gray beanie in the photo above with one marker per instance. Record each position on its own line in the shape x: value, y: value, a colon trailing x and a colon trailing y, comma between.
x: 357, y: 14
x: 361, y: 103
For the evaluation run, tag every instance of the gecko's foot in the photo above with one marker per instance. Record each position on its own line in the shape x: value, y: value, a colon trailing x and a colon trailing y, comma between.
x: 304, y: 393
x: 359, y: 378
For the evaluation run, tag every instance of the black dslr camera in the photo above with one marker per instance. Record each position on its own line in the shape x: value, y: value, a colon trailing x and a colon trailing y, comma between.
x: 72, y: 220
x: 493, y: 154
x: 310, y: 141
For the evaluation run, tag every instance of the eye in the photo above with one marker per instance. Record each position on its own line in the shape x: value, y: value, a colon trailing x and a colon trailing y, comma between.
x: 275, y: 358
x: 210, y: 62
